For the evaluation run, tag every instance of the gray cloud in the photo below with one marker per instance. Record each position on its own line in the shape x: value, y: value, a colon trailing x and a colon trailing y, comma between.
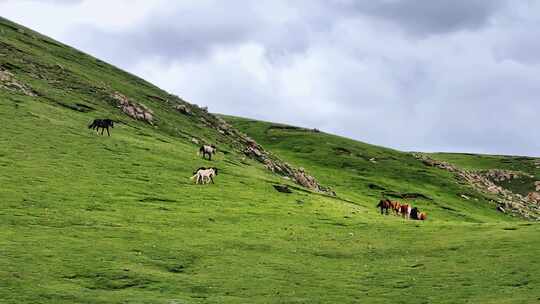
x: 428, y: 17
x: 414, y: 75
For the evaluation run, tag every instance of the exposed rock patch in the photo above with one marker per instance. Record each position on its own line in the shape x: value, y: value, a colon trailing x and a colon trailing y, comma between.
x: 498, y: 175
x: 481, y: 181
x: 249, y: 147
x: 184, y: 109
x: 534, y: 197
x: 8, y: 82
x: 134, y: 110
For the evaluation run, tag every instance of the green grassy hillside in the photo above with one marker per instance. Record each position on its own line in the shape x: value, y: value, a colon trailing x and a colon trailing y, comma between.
x: 364, y: 173
x: 95, y: 219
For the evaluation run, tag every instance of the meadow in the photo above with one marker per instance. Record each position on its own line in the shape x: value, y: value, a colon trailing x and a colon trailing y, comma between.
x: 86, y: 218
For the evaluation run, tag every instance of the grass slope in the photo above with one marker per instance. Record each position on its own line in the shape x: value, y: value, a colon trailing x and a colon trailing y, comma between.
x: 363, y: 173
x: 91, y: 219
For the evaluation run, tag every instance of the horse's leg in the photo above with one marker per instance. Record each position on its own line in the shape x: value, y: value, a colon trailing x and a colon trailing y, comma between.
x: 102, y: 129
x: 211, y: 179
x: 108, y: 131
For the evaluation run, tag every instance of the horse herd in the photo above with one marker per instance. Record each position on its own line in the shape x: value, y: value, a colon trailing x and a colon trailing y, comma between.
x: 201, y: 176
x: 405, y: 210
x: 205, y: 175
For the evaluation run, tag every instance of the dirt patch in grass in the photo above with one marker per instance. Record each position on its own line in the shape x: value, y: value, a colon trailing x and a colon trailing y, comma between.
x: 111, y: 280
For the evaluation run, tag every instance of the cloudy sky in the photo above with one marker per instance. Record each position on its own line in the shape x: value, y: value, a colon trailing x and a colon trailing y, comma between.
x: 433, y: 75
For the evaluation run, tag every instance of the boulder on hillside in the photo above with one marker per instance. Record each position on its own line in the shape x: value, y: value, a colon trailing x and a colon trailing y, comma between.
x: 499, y: 175
x: 132, y: 109
x: 534, y: 197
x: 183, y: 109
x: 8, y: 82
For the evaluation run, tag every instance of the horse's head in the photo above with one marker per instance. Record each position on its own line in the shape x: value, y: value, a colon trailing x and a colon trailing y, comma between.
x: 215, y: 170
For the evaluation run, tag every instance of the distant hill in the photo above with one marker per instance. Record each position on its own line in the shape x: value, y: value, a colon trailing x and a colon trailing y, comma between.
x: 87, y: 218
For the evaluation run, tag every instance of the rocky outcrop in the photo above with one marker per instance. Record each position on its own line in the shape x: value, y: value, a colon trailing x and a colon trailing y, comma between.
x: 300, y: 176
x: 132, y: 109
x: 498, y: 175
x: 249, y: 147
x: 184, y: 109
x: 534, y: 197
x: 482, y: 181
x: 8, y: 82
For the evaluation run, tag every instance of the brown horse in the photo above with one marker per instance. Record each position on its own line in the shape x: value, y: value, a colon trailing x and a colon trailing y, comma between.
x: 384, y: 205
x: 405, y: 210
x: 396, y: 206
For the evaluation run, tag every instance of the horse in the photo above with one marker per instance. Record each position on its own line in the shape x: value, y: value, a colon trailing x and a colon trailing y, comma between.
x: 417, y: 215
x: 414, y: 213
x: 405, y: 210
x: 207, y: 150
x: 204, y: 175
x: 395, y: 207
x: 384, y: 205
x: 104, y: 124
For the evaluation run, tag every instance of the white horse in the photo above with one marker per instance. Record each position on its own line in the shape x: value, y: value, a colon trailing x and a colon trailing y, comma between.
x: 204, y: 175
x: 207, y: 150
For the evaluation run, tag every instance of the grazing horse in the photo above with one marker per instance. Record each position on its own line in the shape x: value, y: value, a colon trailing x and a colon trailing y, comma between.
x: 384, y: 205
x: 417, y: 215
x: 204, y: 175
x: 414, y: 213
x: 405, y: 210
x: 395, y: 206
x: 104, y: 124
x: 207, y: 150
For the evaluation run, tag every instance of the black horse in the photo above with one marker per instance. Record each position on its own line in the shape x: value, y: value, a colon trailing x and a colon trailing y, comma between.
x: 104, y: 124
x: 415, y: 213
x: 384, y: 205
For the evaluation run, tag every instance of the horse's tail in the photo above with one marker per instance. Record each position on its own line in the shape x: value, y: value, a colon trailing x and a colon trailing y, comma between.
x: 91, y: 126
